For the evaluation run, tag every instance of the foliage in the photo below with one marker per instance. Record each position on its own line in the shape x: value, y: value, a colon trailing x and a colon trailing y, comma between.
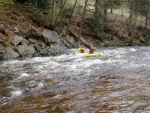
x: 2, y: 3
x: 110, y: 3
x: 44, y: 4
x: 67, y: 12
x: 34, y: 10
x: 79, y: 8
x: 6, y: 1
x: 142, y: 6
x: 116, y: 2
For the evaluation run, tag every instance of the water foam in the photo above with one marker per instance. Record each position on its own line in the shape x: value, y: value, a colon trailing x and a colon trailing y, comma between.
x: 24, y: 75
x: 16, y: 93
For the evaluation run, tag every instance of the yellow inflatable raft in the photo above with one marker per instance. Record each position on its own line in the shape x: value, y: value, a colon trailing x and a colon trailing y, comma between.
x: 91, y: 55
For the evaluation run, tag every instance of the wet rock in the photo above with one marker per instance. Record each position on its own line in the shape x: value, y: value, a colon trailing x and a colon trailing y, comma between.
x: 42, y: 44
x: 10, y: 53
x: 25, y: 50
x: 37, y: 48
x: 32, y: 84
x: 50, y: 82
x: 46, y: 43
x: 57, y: 49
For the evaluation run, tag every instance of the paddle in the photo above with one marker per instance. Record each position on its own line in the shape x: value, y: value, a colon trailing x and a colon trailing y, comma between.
x: 101, y: 53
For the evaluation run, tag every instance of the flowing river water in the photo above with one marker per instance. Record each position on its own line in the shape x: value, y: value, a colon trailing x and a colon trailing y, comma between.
x: 118, y: 82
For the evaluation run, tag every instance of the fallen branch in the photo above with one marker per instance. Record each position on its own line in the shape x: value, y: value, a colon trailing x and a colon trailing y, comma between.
x: 80, y: 38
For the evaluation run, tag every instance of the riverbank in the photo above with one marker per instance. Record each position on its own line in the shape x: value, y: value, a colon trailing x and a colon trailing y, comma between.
x: 21, y: 36
x: 24, y: 35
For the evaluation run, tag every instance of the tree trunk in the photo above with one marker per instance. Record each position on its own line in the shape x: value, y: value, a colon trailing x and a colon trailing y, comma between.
x: 71, y: 18
x: 105, y: 12
x: 122, y: 11
x: 81, y: 39
x: 53, y: 12
x: 98, y: 18
x: 146, y: 17
x: 131, y: 18
x: 111, y: 10
x: 61, y: 10
x: 82, y: 18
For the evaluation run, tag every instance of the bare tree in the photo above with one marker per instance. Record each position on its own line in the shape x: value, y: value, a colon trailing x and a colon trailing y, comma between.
x: 99, y: 18
x: 53, y: 12
x: 147, y: 13
x: 131, y: 16
x: 84, y: 12
x: 71, y: 17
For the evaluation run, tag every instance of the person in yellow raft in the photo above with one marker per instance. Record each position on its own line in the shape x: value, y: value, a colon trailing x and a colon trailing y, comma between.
x: 91, y: 49
x: 81, y: 49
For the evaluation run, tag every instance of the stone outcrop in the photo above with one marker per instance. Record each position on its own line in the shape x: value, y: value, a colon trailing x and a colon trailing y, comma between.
x: 37, y: 43
x: 9, y: 53
x: 51, y: 36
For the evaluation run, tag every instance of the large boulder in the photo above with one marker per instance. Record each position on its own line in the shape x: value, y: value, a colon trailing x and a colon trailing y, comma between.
x: 25, y: 50
x: 50, y: 36
x: 10, y: 53
x: 17, y: 39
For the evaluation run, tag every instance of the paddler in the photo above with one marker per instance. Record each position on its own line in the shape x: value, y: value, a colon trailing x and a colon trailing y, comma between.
x: 81, y: 49
x: 91, y: 49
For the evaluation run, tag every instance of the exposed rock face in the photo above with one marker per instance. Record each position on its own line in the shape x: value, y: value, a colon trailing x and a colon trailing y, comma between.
x: 10, y: 53
x: 51, y: 36
x: 25, y: 50
x: 17, y: 40
x: 42, y: 43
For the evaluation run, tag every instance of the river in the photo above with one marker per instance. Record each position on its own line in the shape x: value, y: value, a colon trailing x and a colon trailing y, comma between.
x: 118, y: 82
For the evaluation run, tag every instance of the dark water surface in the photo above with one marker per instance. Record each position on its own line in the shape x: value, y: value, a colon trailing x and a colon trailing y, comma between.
x: 118, y: 82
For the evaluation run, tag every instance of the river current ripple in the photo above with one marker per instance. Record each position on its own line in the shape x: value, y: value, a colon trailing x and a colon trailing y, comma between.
x: 118, y: 82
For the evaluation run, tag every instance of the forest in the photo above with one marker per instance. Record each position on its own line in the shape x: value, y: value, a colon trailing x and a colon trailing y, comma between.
x: 106, y: 22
